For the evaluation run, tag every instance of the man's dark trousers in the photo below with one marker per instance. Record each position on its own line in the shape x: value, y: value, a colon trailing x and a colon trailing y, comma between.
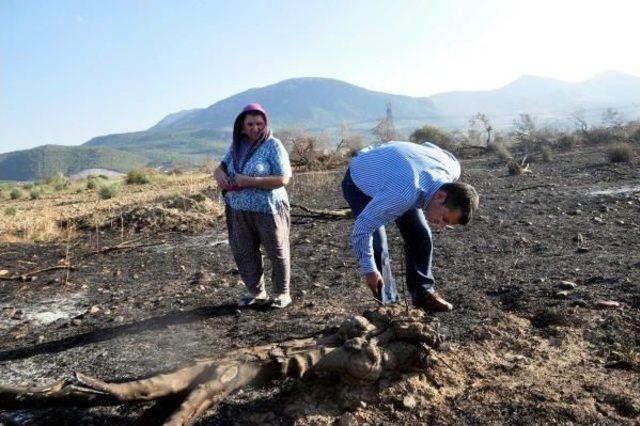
x: 418, y: 244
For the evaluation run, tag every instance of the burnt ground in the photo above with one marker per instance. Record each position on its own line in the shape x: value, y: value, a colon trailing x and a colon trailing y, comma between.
x: 520, y: 349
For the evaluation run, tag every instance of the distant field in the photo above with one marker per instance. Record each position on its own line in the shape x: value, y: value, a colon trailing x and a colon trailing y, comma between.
x: 53, y: 214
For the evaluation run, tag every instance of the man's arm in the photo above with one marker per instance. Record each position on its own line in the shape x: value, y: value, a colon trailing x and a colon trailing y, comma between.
x: 382, y: 209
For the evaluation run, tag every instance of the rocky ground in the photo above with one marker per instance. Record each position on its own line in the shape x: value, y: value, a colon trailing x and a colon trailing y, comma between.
x: 545, y: 282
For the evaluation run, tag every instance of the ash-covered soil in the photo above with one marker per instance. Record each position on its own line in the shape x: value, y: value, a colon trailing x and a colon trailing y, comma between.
x: 545, y: 283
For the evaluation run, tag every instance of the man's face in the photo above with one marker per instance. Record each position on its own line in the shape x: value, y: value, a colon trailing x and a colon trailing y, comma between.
x: 438, y: 215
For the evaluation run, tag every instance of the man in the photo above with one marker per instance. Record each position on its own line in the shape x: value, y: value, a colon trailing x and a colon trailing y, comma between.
x: 395, y: 181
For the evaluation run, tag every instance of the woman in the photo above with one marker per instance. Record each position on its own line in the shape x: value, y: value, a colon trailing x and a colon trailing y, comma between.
x: 253, y: 175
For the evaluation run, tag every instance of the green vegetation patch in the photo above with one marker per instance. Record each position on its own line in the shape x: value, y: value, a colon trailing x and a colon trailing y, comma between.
x: 108, y: 190
x: 142, y: 176
x: 15, y: 194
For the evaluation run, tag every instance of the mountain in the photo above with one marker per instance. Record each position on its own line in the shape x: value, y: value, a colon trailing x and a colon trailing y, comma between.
x: 541, y: 96
x: 315, y: 103
x: 190, y: 137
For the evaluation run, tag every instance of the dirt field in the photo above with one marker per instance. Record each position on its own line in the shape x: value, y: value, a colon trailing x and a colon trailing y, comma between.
x: 545, y: 329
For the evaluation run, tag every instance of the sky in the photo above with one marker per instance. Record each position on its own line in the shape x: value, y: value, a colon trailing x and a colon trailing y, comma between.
x: 72, y: 70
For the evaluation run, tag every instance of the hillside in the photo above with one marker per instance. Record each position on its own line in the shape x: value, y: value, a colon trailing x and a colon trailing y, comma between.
x: 47, y: 160
x: 166, y: 147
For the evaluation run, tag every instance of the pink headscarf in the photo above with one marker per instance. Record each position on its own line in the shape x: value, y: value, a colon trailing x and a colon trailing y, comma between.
x: 237, y: 134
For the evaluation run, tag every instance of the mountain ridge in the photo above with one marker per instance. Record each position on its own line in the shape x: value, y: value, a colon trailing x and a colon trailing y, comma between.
x: 189, y: 137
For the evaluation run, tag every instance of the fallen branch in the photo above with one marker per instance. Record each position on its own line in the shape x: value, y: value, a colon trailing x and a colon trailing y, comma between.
x: 341, y: 213
x: 26, y: 276
x: 122, y: 246
x: 379, y: 344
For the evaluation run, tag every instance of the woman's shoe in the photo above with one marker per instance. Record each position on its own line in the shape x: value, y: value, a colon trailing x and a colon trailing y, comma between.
x: 281, y: 301
x: 254, y: 299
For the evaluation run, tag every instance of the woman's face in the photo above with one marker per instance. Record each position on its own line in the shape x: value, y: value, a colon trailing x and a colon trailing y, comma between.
x: 252, y: 126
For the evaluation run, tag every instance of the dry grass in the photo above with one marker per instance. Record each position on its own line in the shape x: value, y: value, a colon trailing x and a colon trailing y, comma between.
x: 307, y: 185
x: 39, y: 220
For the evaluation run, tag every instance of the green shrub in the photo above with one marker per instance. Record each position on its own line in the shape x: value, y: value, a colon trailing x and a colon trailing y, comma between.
x: 57, y: 182
x: 434, y: 135
x: 10, y: 211
x: 141, y: 176
x: 108, y: 190
x: 620, y: 153
x: 546, y: 153
x: 15, y: 194
x: 94, y: 181
x: 35, y: 193
x: 105, y: 177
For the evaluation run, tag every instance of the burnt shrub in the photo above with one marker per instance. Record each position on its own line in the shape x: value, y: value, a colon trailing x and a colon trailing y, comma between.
x: 567, y: 142
x: 620, y: 153
x: 546, y: 153
x: 501, y: 150
x: 602, y: 135
x: 635, y: 135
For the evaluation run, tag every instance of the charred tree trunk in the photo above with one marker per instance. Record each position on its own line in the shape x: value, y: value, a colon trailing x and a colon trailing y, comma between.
x: 364, y: 349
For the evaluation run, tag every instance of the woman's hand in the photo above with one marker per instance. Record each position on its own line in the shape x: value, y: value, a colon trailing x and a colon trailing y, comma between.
x: 245, y: 181
x: 221, y: 178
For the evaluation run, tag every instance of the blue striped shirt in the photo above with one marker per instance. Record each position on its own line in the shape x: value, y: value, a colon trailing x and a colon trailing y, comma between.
x: 398, y: 176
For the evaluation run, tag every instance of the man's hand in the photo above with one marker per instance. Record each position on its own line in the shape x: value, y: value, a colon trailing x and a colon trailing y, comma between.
x: 374, y: 281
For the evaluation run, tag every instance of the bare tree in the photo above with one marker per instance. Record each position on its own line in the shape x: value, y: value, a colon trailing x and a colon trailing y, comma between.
x: 612, y: 118
x: 482, y: 120
x: 525, y: 127
x: 579, y: 121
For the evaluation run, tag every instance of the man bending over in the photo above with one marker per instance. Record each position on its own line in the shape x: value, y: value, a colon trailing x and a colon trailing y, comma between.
x: 396, y: 182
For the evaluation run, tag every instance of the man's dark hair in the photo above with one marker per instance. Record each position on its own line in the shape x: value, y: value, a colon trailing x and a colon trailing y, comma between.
x: 462, y: 197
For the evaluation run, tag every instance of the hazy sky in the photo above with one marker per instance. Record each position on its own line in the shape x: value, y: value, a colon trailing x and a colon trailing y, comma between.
x: 71, y: 70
